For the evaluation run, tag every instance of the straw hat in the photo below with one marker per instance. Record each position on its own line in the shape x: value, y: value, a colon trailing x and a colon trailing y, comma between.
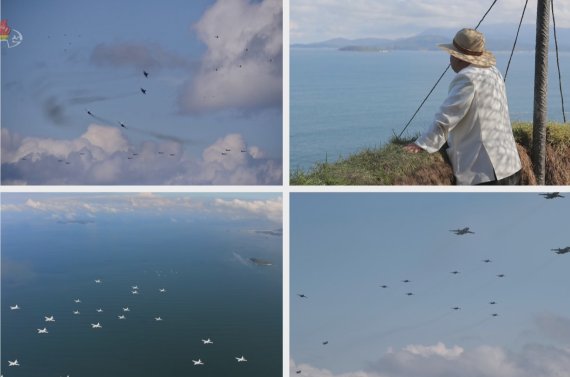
x: 469, y: 45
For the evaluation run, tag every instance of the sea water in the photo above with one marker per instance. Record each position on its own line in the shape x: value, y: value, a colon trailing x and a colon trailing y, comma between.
x: 212, y: 291
x: 341, y: 101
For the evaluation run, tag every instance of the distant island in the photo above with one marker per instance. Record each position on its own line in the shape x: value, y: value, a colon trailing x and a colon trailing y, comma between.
x: 498, y: 37
x: 363, y: 49
x: 260, y: 262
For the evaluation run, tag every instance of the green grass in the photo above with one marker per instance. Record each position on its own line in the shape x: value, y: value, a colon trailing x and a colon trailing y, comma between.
x: 389, y: 164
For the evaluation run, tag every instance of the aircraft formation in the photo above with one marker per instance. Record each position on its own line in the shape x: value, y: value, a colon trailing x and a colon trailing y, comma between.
x: 459, y: 231
x: 98, y: 326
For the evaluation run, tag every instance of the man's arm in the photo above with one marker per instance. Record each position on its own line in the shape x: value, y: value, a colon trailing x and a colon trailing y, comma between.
x: 450, y: 113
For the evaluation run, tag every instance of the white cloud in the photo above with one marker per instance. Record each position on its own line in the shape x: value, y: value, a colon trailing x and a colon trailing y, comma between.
x: 317, y: 20
x: 271, y: 209
x: 104, y: 155
x: 439, y: 361
x: 242, y: 67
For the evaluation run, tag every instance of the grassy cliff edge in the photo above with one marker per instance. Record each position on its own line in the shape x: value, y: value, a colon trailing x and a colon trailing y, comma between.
x: 390, y: 165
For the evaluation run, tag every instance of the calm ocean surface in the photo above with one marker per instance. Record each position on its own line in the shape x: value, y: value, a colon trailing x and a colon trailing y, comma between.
x: 212, y: 292
x: 341, y: 102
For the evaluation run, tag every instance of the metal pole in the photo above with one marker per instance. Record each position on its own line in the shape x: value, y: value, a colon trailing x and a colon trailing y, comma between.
x: 540, y: 114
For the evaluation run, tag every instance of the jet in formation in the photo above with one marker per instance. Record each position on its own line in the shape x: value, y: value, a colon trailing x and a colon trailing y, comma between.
x: 158, y: 319
x: 50, y: 319
x: 121, y: 317
x: 552, y: 195
x: 460, y: 232
x: 207, y: 341
x: 14, y: 363
x: 16, y: 307
x: 198, y: 362
x: 96, y: 326
x: 241, y: 359
x: 43, y: 331
x: 563, y: 250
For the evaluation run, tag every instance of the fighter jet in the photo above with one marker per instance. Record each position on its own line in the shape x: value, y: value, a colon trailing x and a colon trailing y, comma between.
x: 228, y: 150
x: 460, y: 232
x: 122, y: 125
x: 298, y: 372
x: 43, y: 331
x: 158, y: 319
x: 13, y: 363
x: 96, y: 326
x: 495, y: 315
x: 89, y: 112
x: 406, y: 281
x: 143, y: 91
x: 454, y: 272
x: 241, y: 359
x: 492, y: 302
x: 456, y: 308
x: 501, y: 275
x: 145, y: 73
x: 16, y: 307
x: 301, y: 295
x: 487, y: 260
x: 325, y: 342
x: 552, y: 195
x: 97, y: 281
x: 243, y: 150
x: 50, y: 319
x: 77, y: 301
x: 224, y: 154
x: 121, y: 317
x: 76, y: 312
x: 563, y: 250
x: 198, y: 362
x: 207, y: 341
x: 383, y: 286
x: 409, y: 294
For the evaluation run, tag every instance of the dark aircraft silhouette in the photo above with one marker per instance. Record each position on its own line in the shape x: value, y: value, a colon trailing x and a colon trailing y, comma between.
x: 495, y: 315
x: 501, y: 275
x: 325, y: 342
x: 460, y: 232
x: 409, y: 294
x: 122, y: 125
x: 301, y: 295
x: 228, y: 150
x: 406, y: 281
x: 145, y: 73
x: 454, y: 272
x: 224, y: 154
x: 160, y: 152
x: 298, y: 372
x: 487, y: 260
x: 143, y: 91
x: 492, y: 303
x: 173, y: 154
x: 89, y: 112
x: 243, y: 150
x: 563, y: 250
x: 456, y: 308
x: 552, y: 195
x: 384, y: 286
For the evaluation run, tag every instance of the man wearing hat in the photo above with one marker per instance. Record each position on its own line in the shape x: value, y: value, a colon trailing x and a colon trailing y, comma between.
x: 474, y: 119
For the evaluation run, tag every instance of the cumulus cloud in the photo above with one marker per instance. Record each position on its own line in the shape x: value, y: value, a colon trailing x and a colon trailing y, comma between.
x: 440, y: 361
x: 272, y: 209
x: 104, y: 155
x: 82, y: 208
x: 140, y: 56
x: 242, y: 67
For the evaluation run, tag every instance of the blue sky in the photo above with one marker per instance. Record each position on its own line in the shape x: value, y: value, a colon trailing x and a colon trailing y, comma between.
x: 345, y: 246
x: 214, y: 83
x: 318, y: 20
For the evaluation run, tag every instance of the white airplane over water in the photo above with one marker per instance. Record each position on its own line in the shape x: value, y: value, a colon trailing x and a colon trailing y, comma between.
x: 158, y: 319
x: 240, y: 359
x: 96, y: 326
x: 121, y: 317
x: 198, y: 362
x: 207, y: 341
x: 15, y: 307
x: 162, y: 290
x: 76, y: 312
x: 14, y: 363
x: 97, y: 281
x: 126, y: 310
x: 77, y: 301
x: 42, y: 331
x: 99, y: 310
x: 49, y: 319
